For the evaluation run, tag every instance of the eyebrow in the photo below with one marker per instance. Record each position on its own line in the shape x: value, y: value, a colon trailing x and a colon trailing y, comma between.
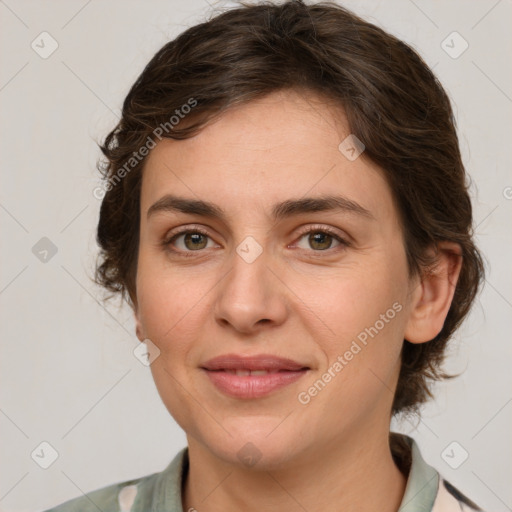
x: 288, y: 208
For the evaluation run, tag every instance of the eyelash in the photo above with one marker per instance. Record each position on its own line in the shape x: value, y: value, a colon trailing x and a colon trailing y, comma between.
x: 167, y: 242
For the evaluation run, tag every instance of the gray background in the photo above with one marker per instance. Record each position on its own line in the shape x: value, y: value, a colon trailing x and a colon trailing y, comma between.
x: 69, y: 376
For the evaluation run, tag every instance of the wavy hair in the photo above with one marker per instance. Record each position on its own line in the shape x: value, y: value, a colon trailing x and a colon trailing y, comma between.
x: 393, y: 103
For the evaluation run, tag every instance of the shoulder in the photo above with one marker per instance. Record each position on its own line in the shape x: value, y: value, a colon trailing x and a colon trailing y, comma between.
x: 449, y: 498
x: 117, y: 497
x: 161, y: 490
x: 426, y: 489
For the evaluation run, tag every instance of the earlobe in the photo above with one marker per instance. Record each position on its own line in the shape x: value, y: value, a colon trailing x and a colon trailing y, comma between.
x: 138, y: 331
x: 138, y: 327
x: 432, y: 299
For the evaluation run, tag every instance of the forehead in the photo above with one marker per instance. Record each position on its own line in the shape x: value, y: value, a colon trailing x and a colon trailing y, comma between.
x: 257, y: 154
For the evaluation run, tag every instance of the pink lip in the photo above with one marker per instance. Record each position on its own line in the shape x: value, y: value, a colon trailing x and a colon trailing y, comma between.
x: 256, y: 362
x: 252, y: 386
x: 285, y: 371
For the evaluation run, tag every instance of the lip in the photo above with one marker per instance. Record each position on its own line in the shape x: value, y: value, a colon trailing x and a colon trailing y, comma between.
x: 256, y: 362
x: 284, y: 372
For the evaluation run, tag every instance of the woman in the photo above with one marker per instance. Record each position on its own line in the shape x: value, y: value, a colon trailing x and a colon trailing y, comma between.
x: 285, y: 209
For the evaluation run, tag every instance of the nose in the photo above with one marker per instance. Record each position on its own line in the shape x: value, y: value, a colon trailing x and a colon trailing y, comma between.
x: 251, y: 296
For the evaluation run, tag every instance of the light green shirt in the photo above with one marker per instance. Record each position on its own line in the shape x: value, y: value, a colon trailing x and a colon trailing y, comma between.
x: 426, y: 491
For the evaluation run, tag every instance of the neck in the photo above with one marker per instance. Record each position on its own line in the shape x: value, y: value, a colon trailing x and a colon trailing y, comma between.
x: 342, y: 475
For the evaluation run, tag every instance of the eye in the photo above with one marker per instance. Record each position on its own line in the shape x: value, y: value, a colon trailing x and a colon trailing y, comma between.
x: 187, y: 241
x: 321, y: 238
x: 193, y: 240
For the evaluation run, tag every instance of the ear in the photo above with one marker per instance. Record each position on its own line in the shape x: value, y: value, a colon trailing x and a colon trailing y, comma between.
x: 139, y: 331
x: 432, y: 297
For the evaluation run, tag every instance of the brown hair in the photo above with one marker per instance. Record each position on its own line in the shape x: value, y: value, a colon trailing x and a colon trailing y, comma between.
x: 393, y: 103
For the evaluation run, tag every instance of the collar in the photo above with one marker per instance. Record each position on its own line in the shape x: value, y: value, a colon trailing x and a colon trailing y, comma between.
x: 422, y: 482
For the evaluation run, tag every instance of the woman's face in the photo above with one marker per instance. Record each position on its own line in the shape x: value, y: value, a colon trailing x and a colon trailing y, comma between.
x: 251, y: 283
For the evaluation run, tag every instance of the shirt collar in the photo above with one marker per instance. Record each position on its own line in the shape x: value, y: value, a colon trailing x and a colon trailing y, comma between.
x: 422, y: 482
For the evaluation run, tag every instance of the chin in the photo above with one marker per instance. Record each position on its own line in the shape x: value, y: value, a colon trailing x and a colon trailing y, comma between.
x: 259, y: 446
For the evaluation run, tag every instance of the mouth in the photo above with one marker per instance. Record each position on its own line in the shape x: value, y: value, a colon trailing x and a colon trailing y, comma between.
x: 260, y: 362
x: 254, y: 376
x: 246, y: 373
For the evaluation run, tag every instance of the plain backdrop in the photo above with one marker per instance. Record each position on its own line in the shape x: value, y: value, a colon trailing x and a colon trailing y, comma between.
x: 69, y: 377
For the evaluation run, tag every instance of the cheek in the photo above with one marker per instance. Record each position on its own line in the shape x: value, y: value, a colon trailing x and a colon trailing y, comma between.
x: 169, y: 298
x: 361, y: 313
x: 361, y: 348
x: 348, y: 302
x: 169, y: 309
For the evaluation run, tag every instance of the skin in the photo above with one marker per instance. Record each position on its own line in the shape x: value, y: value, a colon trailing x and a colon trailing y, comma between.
x: 295, y: 300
